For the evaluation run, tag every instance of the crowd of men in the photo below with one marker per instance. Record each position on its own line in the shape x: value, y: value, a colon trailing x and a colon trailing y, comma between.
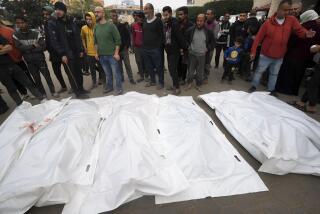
x: 284, y: 44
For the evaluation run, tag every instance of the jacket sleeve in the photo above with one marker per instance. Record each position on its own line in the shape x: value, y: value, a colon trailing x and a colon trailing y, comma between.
x: 226, y: 53
x: 116, y: 35
x: 127, y: 37
x: 41, y: 42
x: 232, y: 35
x: 216, y: 30
x: 77, y: 36
x: 55, y: 44
x: 179, y: 36
x: 83, y: 37
x: 211, y: 40
x: 298, y: 29
x: 18, y: 44
x: 259, y: 38
x: 161, y: 31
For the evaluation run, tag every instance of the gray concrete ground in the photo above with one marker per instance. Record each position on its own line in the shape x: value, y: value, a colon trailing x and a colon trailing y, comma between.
x: 293, y: 193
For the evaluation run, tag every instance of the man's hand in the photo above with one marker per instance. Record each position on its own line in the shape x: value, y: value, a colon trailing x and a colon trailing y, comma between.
x: 65, y: 59
x: 310, y: 34
x: 81, y: 54
x: 116, y: 56
x: 97, y: 57
x: 252, y: 57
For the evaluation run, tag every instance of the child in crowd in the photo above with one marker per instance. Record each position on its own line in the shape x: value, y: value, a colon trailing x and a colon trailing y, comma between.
x: 232, y: 57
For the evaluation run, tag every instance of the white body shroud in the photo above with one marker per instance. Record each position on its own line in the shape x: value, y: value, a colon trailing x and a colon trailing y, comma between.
x: 97, y: 154
x: 284, y: 139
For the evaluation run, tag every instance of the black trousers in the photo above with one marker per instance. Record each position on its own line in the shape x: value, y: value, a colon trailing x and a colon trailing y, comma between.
x: 219, y: 48
x: 182, y: 68
x: 229, y: 70
x: 74, y: 74
x: 312, y: 93
x: 3, y: 105
x: 245, y: 65
x: 56, y: 66
x: 8, y: 72
x: 173, y: 61
x: 37, y: 67
x: 22, y: 90
x: 290, y: 76
x: 95, y: 66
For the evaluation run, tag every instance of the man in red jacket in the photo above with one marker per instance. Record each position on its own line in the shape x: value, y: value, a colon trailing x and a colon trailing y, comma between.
x: 274, y: 35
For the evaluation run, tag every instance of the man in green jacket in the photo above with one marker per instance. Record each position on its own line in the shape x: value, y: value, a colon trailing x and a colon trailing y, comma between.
x: 107, y: 42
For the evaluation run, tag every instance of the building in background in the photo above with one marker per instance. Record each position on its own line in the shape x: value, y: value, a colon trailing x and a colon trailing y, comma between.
x: 124, y: 12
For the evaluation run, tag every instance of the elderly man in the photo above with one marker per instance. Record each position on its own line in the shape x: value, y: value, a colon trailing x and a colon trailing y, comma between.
x: 200, y: 41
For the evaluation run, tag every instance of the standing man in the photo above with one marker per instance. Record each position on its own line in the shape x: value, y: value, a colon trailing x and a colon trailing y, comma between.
x: 252, y: 26
x: 87, y: 37
x: 107, y: 41
x: 200, y: 41
x: 238, y: 29
x: 54, y: 57
x: 222, y: 39
x: 153, y: 39
x: 174, y: 45
x: 137, y: 40
x: 9, y: 71
x: 16, y: 56
x: 32, y: 44
x: 274, y: 35
x: 184, y: 25
x: 213, y: 26
x: 124, y: 47
x: 296, y: 9
x: 66, y: 42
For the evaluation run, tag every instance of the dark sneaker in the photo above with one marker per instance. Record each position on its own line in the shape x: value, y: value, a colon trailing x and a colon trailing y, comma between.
x: 140, y: 80
x: 82, y: 96
x: 133, y: 82
x: 108, y: 90
x: 274, y: 93
x: 4, y: 109
x: 84, y: 91
x: 252, y: 89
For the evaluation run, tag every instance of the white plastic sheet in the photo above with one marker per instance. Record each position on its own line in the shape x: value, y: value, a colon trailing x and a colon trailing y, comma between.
x: 98, y: 154
x: 284, y: 139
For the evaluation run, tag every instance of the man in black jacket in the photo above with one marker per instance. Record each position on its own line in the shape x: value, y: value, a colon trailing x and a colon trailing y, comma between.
x: 32, y: 44
x: 237, y: 29
x: 65, y: 40
x: 200, y: 40
x: 184, y: 25
x: 9, y: 71
x: 174, y: 45
x: 222, y: 39
x: 124, y: 47
x: 56, y: 62
x: 153, y: 39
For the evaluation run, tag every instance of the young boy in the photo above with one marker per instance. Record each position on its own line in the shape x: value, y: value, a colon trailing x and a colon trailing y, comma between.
x: 232, y: 57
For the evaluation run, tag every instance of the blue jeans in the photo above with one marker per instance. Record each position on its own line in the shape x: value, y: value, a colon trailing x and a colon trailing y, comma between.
x: 152, y: 60
x: 274, y: 67
x: 111, y: 66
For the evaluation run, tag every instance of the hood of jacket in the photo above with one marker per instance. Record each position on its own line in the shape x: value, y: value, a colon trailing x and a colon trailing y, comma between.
x: 94, y: 21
